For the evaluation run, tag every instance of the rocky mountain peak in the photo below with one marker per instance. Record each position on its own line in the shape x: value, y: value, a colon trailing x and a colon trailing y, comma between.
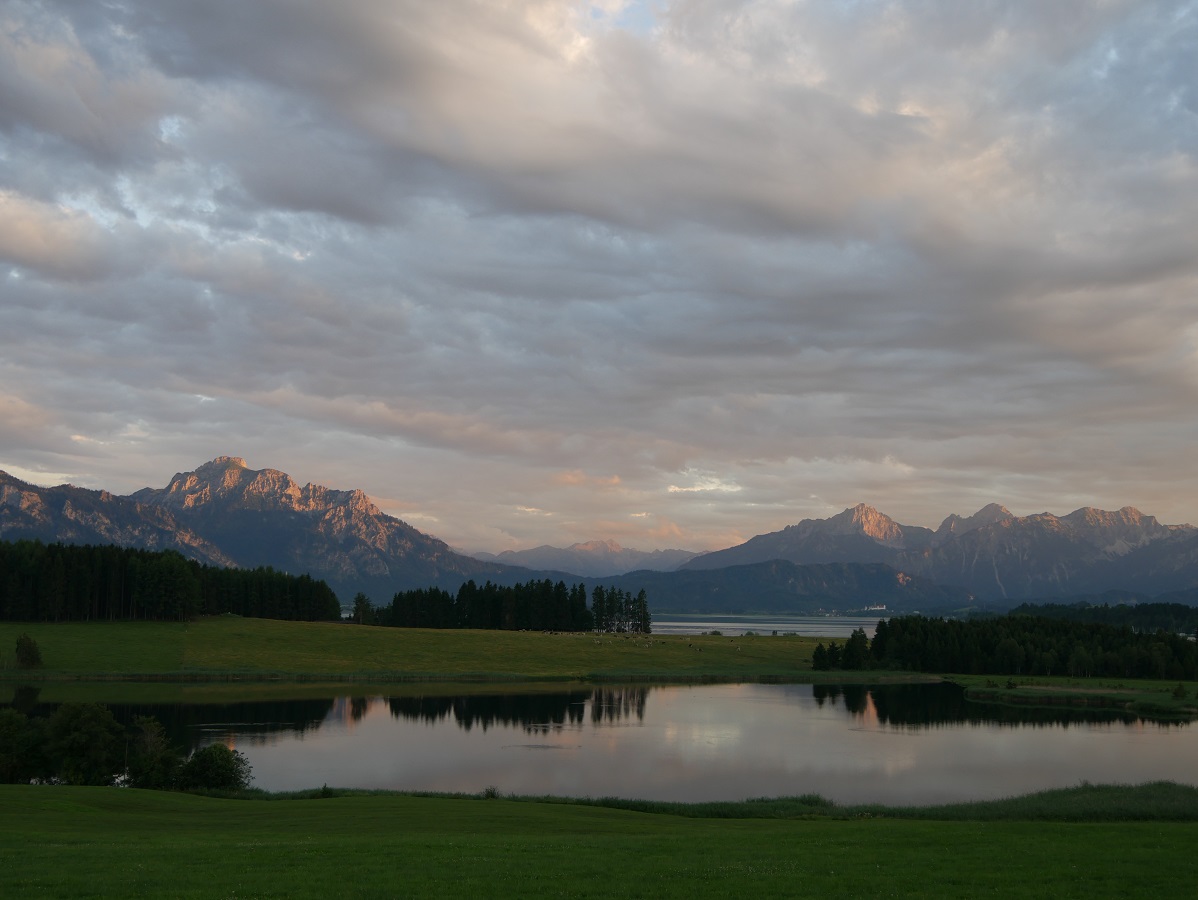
x: 865, y: 520
x: 26, y: 502
x: 264, y: 517
x: 990, y: 514
x: 1101, y: 518
x: 1116, y: 533
x: 224, y: 462
x: 228, y: 482
x: 219, y: 478
x: 357, y: 501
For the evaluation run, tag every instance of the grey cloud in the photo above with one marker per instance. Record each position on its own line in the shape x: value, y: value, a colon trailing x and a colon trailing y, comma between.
x: 922, y: 255
x: 56, y: 98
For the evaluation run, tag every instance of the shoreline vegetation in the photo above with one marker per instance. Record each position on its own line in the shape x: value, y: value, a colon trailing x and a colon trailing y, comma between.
x: 219, y: 655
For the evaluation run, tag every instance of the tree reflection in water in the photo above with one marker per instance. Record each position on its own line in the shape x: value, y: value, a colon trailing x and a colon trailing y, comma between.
x: 535, y: 712
x: 193, y: 725
x: 945, y: 705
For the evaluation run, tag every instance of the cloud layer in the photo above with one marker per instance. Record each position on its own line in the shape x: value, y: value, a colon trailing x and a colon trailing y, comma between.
x: 674, y: 273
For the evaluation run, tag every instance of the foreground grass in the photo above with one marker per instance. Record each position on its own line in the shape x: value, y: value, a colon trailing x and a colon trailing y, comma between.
x: 227, y: 646
x: 1157, y: 801
x: 105, y: 842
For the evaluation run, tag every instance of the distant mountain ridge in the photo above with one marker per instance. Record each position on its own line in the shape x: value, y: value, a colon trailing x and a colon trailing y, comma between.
x: 993, y: 553
x: 592, y: 559
x: 779, y: 586
x: 226, y: 513
x: 860, y: 534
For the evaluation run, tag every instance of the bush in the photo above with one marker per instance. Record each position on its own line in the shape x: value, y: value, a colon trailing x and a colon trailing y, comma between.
x: 85, y: 744
x: 217, y: 768
x: 29, y: 655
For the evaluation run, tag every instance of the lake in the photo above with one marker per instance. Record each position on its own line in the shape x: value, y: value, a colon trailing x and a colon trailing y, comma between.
x: 894, y: 744
x: 809, y: 626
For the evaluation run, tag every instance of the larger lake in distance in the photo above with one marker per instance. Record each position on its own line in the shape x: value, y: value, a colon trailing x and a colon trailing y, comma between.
x: 736, y: 624
x: 894, y: 744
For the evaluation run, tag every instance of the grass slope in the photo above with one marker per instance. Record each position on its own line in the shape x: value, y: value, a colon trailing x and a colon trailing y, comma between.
x: 105, y: 842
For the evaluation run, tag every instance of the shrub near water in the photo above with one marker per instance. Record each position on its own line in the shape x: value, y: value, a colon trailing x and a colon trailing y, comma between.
x: 29, y: 655
x: 83, y: 744
x: 215, y: 767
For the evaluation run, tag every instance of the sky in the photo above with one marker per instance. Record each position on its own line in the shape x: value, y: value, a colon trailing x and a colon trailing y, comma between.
x: 668, y: 273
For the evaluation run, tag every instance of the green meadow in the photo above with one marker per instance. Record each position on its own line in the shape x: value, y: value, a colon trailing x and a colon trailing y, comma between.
x: 108, y: 842
x: 229, y: 646
x: 228, y: 657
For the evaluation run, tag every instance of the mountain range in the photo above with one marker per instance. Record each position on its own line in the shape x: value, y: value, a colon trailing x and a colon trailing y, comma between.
x: 225, y: 513
x: 995, y: 555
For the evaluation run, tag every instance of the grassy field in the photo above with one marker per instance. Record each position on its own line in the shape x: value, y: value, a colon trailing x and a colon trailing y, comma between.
x: 228, y: 646
x: 108, y: 842
x: 254, y: 650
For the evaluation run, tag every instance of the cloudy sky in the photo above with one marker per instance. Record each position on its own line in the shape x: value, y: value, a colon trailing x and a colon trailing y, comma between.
x: 674, y: 273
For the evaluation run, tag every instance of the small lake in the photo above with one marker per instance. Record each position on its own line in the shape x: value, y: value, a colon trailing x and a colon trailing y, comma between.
x: 895, y: 744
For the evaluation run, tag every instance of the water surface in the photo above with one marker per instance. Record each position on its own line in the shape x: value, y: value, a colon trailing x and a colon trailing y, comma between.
x: 808, y: 626
x: 897, y: 744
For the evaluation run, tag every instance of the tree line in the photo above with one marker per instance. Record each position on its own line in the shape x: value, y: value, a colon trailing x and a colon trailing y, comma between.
x: 1175, y: 617
x: 533, y: 606
x: 82, y: 743
x: 66, y: 582
x: 1014, y: 645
